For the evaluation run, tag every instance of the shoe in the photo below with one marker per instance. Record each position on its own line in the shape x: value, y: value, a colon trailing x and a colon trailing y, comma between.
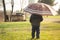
x: 32, y: 38
x: 37, y: 38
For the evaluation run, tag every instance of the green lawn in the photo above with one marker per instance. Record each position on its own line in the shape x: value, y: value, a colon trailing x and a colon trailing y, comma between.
x: 22, y: 30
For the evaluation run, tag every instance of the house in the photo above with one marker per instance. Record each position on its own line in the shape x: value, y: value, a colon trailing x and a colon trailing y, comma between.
x: 18, y: 17
x: 14, y: 17
x: 1, y: 16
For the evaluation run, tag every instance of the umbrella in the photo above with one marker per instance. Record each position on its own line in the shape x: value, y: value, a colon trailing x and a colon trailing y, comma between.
x: 40, y: 9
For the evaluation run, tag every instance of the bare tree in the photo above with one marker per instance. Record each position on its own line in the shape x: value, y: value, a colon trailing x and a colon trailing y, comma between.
x: 4, y: 10
x: 12, y: 4
x: 59, y: 10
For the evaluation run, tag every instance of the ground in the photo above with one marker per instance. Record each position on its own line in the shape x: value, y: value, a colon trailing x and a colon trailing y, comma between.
x: 49, y: 30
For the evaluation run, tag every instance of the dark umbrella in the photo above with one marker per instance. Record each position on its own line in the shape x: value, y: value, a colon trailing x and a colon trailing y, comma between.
x: 40, y: 9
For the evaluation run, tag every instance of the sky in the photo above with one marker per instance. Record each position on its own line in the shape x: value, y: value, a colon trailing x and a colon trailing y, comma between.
x: 18, y: 4
x: 57, y: 6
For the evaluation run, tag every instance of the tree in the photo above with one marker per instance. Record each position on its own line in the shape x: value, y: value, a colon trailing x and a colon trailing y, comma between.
x: 59, y: 11
x: 49, y: 2
x: 12, y: 4
x: 4, y: 10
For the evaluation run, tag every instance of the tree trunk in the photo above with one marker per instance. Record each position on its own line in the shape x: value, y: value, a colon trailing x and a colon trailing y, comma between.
x: 4, y: 11
x: 12, y: 3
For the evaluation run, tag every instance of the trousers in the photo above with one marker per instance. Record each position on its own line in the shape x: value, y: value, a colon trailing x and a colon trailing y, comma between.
x: 35, y: 28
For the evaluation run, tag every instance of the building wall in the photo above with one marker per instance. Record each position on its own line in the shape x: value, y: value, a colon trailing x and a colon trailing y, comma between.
x: 1, y: 16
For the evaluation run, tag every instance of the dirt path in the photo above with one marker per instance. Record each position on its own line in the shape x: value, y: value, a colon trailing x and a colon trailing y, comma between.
x: 52, y: 20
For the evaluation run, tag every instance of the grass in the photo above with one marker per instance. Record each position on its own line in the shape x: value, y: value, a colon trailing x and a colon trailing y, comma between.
x: 22, y: 30
x: 14, y: 24
x: 52, y: 16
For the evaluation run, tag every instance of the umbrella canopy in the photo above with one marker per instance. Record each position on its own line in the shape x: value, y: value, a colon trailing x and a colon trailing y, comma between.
x: 40, y: 8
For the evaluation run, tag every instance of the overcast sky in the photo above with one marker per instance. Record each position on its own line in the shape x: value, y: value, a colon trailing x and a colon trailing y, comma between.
x: 17, y: 4
x: 57, y: 6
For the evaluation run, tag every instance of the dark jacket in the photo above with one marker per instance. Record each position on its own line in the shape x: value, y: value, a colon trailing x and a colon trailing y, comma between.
x: 36, y: 19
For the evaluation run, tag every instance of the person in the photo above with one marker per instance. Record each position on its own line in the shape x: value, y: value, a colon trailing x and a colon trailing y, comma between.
x: 35, y: 22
